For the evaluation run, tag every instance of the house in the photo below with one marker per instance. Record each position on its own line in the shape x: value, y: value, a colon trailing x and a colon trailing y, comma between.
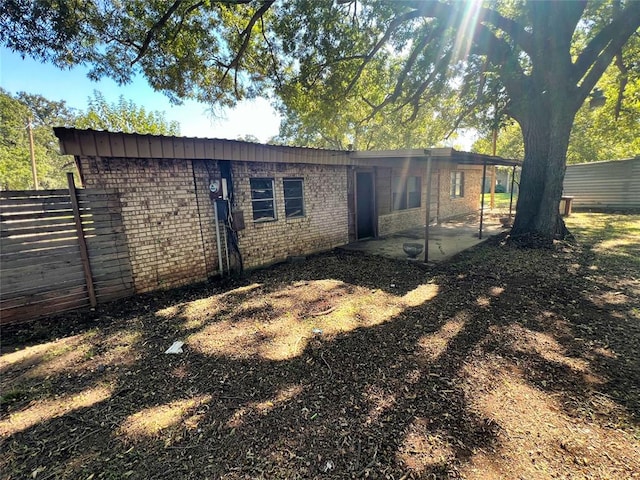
x: 193, y: 207
x: 504, y: 181
x: 614, y: 184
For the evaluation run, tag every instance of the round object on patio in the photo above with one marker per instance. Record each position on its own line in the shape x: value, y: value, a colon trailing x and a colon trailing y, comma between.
x: 412, y: 249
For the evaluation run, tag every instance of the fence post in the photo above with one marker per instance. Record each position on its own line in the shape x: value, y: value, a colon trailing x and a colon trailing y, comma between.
x: 84, y: 255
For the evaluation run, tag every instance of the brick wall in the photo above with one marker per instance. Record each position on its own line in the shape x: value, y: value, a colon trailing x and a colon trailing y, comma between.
x: 393, y: 221
x: 169, y: 217
x: 161, y: 215
x: 470, y: 202
x: 443, y: 206
x: 324, y: 225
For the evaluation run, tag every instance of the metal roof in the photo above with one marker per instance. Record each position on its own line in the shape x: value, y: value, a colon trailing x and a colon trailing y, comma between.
x: 79, y: 142
x: 451, y: 154
x: 614, y: 162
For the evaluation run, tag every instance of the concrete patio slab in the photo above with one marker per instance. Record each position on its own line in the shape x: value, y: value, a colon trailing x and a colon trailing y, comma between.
x: 445, y: 240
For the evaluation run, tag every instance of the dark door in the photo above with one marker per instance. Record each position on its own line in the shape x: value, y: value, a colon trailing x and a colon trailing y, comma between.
x: 364, y: 204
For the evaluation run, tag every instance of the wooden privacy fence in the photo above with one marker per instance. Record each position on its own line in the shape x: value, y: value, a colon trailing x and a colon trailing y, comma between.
x: 60, y: 250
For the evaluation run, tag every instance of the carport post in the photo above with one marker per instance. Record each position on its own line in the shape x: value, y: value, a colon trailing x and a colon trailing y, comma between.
x: 484, y: 183
x: 513, y: 181
x: 426, y: 226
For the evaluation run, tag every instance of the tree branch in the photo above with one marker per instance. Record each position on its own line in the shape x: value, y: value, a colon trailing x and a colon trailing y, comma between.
x: 186, y: 13
x: 624, y: 74
x: 417, y: 94
x: 444, y: 60
x: 520, y: 36
x: 155, y: 28
x: 321, y: 66
x: 627, y: 19
x: 499, y: 53
x: 459, y: 119
x: 274, y: 59
x: 410, y: 62
x: 434, y: 9
x: 246, y: 33
x: 624, y: 78
x: 623, y: 27
x: 486, y: 43
x: 395, y: 23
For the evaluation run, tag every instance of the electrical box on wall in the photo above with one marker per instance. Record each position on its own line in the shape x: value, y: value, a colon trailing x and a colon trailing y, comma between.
x: 237, y: 220
x: 218, y: 188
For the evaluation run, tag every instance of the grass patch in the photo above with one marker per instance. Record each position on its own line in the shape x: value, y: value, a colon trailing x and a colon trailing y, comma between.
x: 502, y: 200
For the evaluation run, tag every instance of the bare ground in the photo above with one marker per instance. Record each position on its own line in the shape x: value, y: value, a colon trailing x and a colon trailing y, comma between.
x: 502, y: 363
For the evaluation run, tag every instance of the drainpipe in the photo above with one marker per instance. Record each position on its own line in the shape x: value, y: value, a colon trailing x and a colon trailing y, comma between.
x: 426, y: 226
x: 218, y: 244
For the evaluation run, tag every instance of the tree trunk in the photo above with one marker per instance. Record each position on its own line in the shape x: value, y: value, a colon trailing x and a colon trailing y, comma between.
x: 545, y: 129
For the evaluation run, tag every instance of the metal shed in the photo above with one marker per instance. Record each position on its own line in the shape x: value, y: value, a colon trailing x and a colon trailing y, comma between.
x: 613, y: 184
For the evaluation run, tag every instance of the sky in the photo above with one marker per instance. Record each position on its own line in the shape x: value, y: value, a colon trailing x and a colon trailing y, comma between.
x: 255, y: 117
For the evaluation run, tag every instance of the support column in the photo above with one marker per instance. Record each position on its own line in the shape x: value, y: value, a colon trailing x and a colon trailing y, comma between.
x: 428, y: 214
x: 484, y: 182
x: 513, y: 181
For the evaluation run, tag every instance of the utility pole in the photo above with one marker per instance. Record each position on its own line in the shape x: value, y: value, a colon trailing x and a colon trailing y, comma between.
x: 33, y: 156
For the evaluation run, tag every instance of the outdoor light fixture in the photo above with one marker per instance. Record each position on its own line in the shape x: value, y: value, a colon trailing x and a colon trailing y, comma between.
x: 597, y: 98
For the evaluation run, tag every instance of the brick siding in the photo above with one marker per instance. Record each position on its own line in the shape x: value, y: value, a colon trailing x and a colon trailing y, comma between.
x: 168, y: 215
x: 324, y: 225
x: 443, y: 206
x: 470, y: 201
x: 161, y: 216
x: 169, y: 218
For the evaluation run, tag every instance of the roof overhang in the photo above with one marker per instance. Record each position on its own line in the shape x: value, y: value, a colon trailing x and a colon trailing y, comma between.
x: 442, y: 154
x: 79, y: 142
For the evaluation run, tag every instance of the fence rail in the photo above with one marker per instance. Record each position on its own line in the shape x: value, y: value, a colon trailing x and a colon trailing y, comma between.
x: 42, y: 251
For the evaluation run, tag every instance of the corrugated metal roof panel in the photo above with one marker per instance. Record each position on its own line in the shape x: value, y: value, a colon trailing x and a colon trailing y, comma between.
x: 613, y: 184
x: 127, y: 145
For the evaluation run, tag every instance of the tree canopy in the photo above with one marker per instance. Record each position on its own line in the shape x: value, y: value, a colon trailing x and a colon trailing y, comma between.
x: 312, y: 118
x: 20, y: 110
x: 533, y: 61
x: 124, y: 116
x: 15, y: 159
x: 600, y: 133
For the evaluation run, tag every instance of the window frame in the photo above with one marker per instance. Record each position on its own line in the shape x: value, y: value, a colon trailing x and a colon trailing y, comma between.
x: 404, y: 203
x: 456, y: 185
x: 254, y: 200
x: 299, y: 213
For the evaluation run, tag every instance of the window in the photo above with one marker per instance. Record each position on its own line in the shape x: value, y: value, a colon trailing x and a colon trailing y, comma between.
x: 293, y: 197
x: 406, y: 192
x: 414, y: 192
x: 263, y: 199
x: 457, y: 184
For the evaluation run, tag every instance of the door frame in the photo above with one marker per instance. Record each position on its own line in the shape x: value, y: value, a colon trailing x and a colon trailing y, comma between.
x: 373, y: 204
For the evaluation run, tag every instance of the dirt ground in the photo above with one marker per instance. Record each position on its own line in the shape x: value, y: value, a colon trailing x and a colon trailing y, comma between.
x: 502, y: 363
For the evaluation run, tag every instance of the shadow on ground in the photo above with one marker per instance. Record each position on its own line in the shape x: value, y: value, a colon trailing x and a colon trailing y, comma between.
x: 500, y: 364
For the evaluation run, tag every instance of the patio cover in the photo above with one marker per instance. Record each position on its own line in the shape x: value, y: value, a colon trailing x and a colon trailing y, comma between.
x: 439, y: 154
